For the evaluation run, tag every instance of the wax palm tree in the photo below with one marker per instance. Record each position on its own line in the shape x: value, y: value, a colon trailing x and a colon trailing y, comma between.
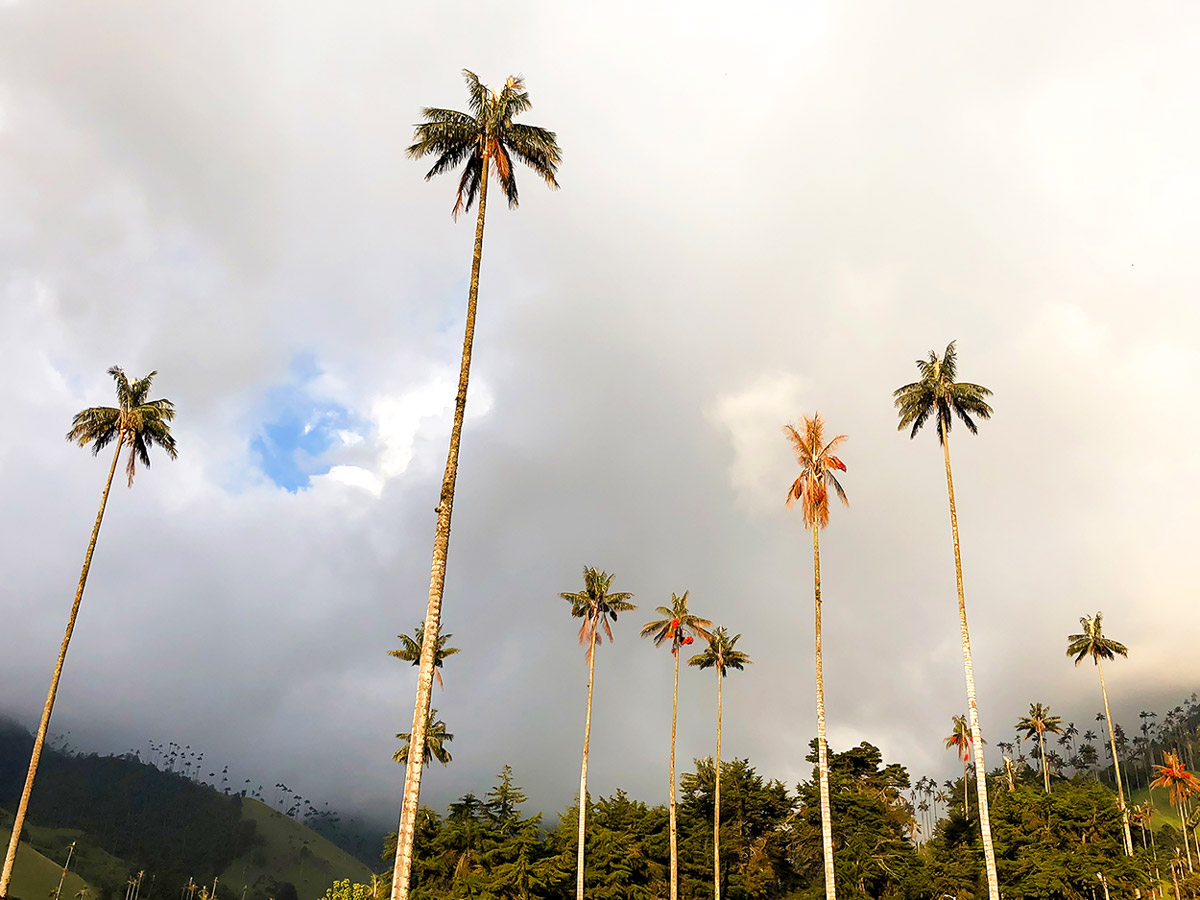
x: 720, y: 654
x: 135, y: 424
x: 960, y: 740
x: 1180, y: 785
x: 486, y: 141
x: 410, y: 651
x: 1092, y: 643
x: 943, y: 798
x: 812, y: 488
x: 677, y: 628
x: 938, y: 394
x: 596, y: 605
x: 436, y: 739
x: 1067, y: 738
x: 1037, y: 724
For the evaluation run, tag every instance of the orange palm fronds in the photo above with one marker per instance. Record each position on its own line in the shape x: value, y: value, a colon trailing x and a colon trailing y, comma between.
x: 1174, y: 776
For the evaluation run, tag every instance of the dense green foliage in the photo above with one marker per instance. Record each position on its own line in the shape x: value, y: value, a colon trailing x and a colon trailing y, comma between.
x: 770, y: 844
x: 1047, y: 845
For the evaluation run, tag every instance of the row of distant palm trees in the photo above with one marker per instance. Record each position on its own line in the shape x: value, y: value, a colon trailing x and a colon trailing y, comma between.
x: 1173, y: 775
x: 597, y: 605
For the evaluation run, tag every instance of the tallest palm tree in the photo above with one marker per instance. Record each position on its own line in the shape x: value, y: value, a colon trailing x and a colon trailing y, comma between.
x: 485, y: 141
x: 135, y: 424
x: 811, y: 488
x: 940, y: 395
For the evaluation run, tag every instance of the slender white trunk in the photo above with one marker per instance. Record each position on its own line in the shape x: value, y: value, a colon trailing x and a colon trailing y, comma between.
x: 1187, y: 853
x: 587, y: 736
x: 985, y: 825
x: 1112, y: 738
x: 822, y: 747
x: 1045, y: 771
x: 402, y: 869
x: 717, y: 799
x: 674, y: 715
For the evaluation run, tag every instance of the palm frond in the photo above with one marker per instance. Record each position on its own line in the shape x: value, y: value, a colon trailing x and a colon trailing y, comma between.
x: 136, y: 421
x: 504, y: 171
x: 537, y: 148
x: 817, y: 464
x: 721, y: 653
x: 456, y: 138
x: 122, y: 386
x: 98, y: 426
x: 468, y: 185
x: 939, y: 394
x: 513, y: 99
x: 477, y: 94
x: 450, y: 157
x: 1092, y: 642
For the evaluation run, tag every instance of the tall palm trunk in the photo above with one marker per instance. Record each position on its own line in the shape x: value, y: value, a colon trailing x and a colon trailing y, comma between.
x: 587, y: 736
x: 1183, y: 824
x: 717, y: 800
x: 985, y: 825
x: 40, y: 740
x: 671, y: 794
x: 1112, y: 739
x: 437, y: 580
x: 1045, y: 771
x: 62, y: 879
x: 822, y: 751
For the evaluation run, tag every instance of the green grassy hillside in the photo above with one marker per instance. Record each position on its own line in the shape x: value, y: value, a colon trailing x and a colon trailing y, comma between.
x: 288, y: 852
x: 1164, y: 813
x: 35, y: 877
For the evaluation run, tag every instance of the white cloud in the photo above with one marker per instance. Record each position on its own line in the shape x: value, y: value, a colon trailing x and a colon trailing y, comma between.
x: 400, y: 417
x: 358, y: 477
x: 754, y: 416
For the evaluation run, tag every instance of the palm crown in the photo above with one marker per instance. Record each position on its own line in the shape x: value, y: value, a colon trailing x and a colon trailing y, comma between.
x: 1174, y: 776
x: 1039, y: 721
x: 486, y: 134
x: 817, y: 465
x: 436, y: 738
x: 678, y: 625
x: 721, y: 653
x: 596, y: 605
x: 411, y: 650
x: 960, y: 738
x: 1092, y: 642
x: 135, y: 421
x: 938, y: 393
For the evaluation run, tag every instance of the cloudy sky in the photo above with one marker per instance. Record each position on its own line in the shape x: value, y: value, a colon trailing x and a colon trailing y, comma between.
x: 766, y: 210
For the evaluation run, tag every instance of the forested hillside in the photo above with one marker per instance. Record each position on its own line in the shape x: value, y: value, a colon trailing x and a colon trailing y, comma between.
x: 129, y: 816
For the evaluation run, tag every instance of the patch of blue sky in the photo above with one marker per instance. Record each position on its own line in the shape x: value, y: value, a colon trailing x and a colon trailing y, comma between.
x: 301, y: 434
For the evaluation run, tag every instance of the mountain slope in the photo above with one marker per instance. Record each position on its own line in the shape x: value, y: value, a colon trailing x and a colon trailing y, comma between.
x: 289, y: 852
x: 35, y: 877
